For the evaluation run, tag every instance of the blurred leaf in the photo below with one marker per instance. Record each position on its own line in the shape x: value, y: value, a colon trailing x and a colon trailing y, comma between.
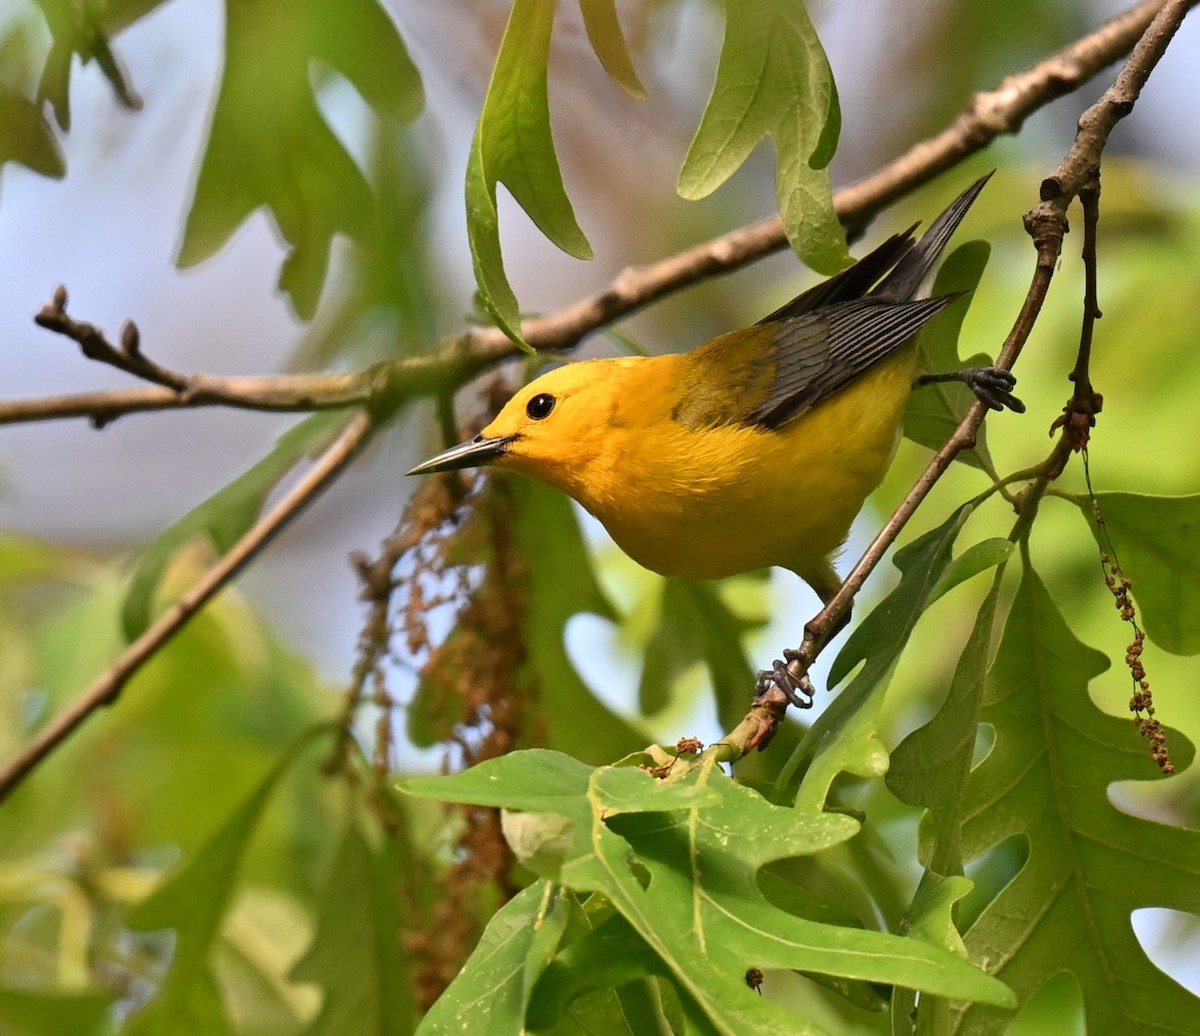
x: 678, y: 861
x: 930, y: 766
x: 26, y: 136
x: 366, y: 993
x: 513, y: 145
x: 84, y: 28
x: 26, y: 559
x: 225, y: 516
x: 390, y: 301
x: 1157, y: 539
x: 193, y: 900
x: 773, y: 79
x: 27, y: 1013
x: 539, y: 576
x: 269, y: 144
x: 491, y: 993
x: 604, y: 32
x: 934, y: 411
x: 845, y: 737
x: 1090, y: 865
x: 562, y: 585
x: 696, y: 625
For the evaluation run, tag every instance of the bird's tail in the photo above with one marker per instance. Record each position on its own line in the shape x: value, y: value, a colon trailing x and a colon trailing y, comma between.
x: 905, y: 279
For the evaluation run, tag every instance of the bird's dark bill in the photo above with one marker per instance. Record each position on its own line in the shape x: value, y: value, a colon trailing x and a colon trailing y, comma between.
x: 469, y: 454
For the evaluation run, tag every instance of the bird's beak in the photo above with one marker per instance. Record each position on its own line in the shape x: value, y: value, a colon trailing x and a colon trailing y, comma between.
x: 469, y: 454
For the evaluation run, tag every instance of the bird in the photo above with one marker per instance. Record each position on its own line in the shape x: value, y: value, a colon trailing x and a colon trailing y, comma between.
x: 756, y: 449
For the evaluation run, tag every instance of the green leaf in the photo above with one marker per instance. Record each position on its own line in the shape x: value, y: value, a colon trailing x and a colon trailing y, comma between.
x: 604, y: 32
x: 695, y: 624
x: 773, y: 79
x: 935, y: 410
x: 513, y: 145
x: 193, y: 900
x: 845, y: 737
x: 269, y: 145
x: 85, y: 29
x: 391, y: 300
x: 358, y: 954
x: 491, y: 993
x: 561, y: 586
x: 1090, y: 866
x: 26, y: 136
x: 1157, y: 539
x: 678, y: 861
x: 27, y: 1013
x: 931, y: 765
x: 225, y: 516
x: 977, y: 558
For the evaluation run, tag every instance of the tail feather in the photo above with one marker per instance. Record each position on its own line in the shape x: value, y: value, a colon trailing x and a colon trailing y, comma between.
x: 907, y: 276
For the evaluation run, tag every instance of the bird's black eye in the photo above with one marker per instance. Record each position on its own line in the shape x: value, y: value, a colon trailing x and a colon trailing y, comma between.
x: 540, y: 406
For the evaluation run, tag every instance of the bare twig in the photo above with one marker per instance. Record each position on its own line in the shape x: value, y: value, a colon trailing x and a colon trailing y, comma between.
x: 105, y: 689
x: 1097, y: 123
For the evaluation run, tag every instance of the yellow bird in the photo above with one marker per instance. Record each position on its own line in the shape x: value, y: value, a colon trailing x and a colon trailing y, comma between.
x: 753, y: 450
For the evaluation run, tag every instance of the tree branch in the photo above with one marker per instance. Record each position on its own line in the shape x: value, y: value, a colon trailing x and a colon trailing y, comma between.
x: 106, y: 688
x: 388, y: 385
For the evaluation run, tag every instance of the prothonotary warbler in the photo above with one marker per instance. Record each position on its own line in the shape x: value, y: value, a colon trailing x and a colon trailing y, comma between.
x: 755, y: 449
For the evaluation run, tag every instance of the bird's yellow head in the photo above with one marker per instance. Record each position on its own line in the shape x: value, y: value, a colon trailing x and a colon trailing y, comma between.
x: 554, y: 429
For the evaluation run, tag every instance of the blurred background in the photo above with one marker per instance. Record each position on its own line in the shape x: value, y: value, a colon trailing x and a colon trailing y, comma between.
x: 80, y: 504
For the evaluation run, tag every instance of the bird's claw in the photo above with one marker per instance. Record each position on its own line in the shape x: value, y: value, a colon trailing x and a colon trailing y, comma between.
x: 797, y: 688
x: 993, y: 388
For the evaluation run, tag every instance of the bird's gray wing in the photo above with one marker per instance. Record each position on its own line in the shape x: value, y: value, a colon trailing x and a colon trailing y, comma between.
x: 819, y: 353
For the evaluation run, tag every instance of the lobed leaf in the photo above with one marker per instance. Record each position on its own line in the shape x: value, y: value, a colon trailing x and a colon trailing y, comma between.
x: 931, y: 765
x: 845, y: 737
x: 269, y: 146
x: 1157, y: 539
x: 678, y: 862
x: 773, y: 79
x: 513, y: 145
x: 1089, y: 866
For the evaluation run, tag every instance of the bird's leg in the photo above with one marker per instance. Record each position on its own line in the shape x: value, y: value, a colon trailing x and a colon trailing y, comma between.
x: 992, y: 386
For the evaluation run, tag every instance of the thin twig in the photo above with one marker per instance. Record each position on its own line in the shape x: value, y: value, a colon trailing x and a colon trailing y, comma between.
x: 106, y: 688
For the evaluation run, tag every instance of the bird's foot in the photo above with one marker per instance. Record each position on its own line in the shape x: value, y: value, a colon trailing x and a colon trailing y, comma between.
x: 992, y: 386
x: 795, y: 685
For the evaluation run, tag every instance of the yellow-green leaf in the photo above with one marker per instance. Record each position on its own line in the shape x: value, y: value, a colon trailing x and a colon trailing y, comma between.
x: 604, y: 31
x: 773, y: 79
x: 513, y: 145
